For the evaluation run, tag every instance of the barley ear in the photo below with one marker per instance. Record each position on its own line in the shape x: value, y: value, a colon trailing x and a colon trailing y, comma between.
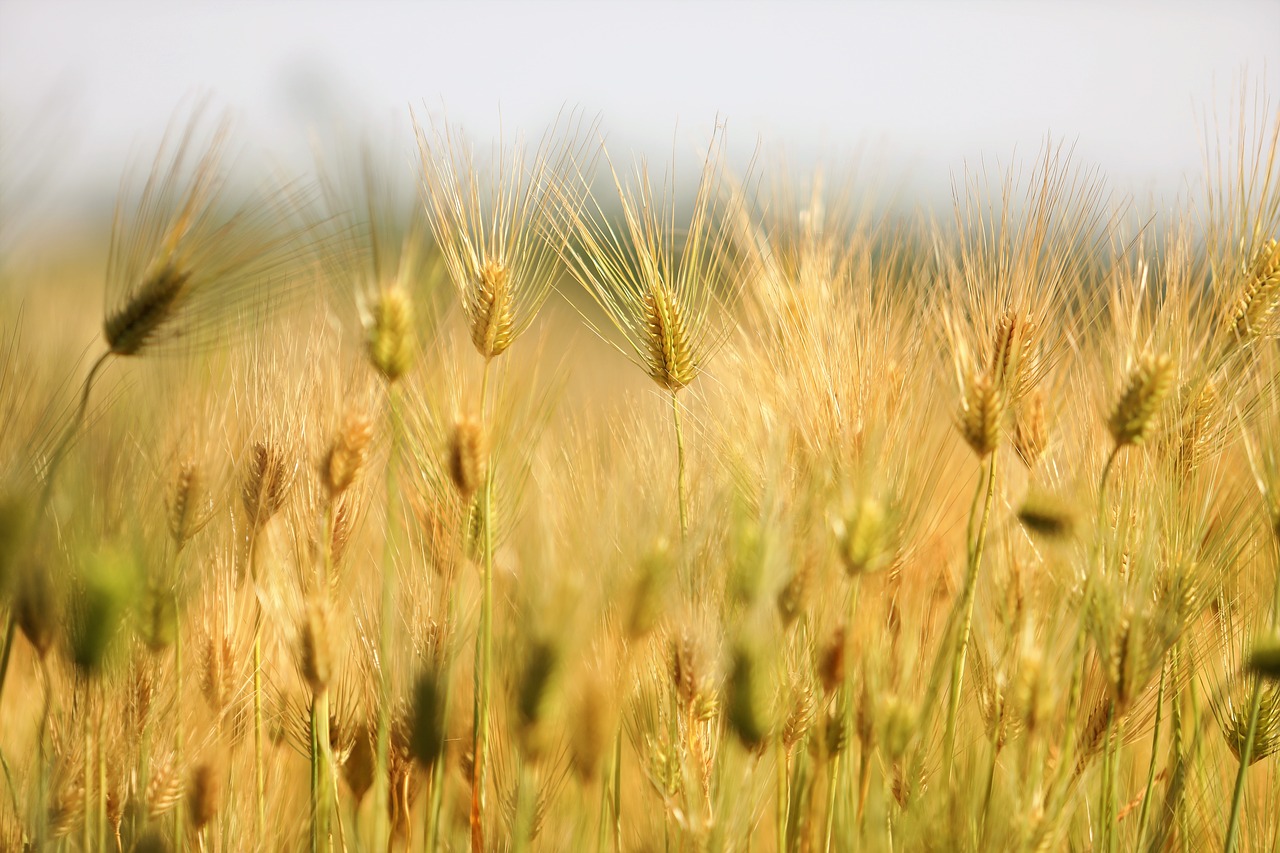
x: 1149, y: 384
x: 468, y: 456
x: 1260, y: 297
x: 390, y: 333
x: 129, y: 330
x: 668, y: 354
x: 490, y: 310
x: 982, y: 412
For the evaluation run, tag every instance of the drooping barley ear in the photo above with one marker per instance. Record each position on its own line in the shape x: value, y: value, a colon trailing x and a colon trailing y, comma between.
x: 489, y: 310
x: 1148, y: 385
x: 468, y: 457
x: 129, y: 329
x: 1030, y: 431
x: 982, y: 410
x: 1260, y: 298
x: 668, y: 354
x: 389, y: 326
x: 346, y: 455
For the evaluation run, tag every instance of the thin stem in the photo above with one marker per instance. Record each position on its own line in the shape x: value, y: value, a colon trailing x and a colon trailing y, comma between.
x: 831, y: 802
x: 381, y: 782
x: 969, y: 594
x: 617, y: 791
x: 42, y: 782
x: 783, y: 797
x: 526, y: 802
x: 320, y: 761
x: 1106, y: 472
x: 1151, y: 767
x: 438, y: 769
x: 1111, y: 812
x: 60, y: 450
x: 87, y: 824
x: 179, y: 809
x: 9, y: 634
x: 259, y: 763
x: 484, y: 640
x: 102, y: 783
x: 681, y: 484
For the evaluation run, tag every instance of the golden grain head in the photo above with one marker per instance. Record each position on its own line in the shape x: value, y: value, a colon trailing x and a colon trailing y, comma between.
x: 983, y: 406
x: 1030, y: 429
x: 668, y: 353
x: 265, y: 485
x: 347, y: 453
x: 1259, y: 300
x: 468, y: 456
x: 315, y: 654
x: 1012, y: 364
x: 189, y: 505
x: 389, y: 332
x: 489, y: 310
x: 1146, y: 389
x: 800, y: 716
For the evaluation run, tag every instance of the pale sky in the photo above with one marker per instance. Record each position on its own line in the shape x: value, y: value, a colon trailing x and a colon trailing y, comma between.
x: 925, y: 86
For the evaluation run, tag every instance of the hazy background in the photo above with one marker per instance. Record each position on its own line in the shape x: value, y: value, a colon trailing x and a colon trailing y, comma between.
x: 920, y: 87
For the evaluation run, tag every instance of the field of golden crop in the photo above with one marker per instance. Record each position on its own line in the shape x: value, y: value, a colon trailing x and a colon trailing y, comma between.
x: 526, y: 497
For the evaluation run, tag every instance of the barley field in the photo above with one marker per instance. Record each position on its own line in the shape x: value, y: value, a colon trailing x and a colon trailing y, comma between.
x: 517, y: 494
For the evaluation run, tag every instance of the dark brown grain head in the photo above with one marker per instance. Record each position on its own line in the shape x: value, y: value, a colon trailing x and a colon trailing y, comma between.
x: 129, y: 329
x: 204, y: 794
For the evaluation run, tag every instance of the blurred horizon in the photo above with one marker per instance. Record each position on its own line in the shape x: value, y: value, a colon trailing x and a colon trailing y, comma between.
x: 915, y: 92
